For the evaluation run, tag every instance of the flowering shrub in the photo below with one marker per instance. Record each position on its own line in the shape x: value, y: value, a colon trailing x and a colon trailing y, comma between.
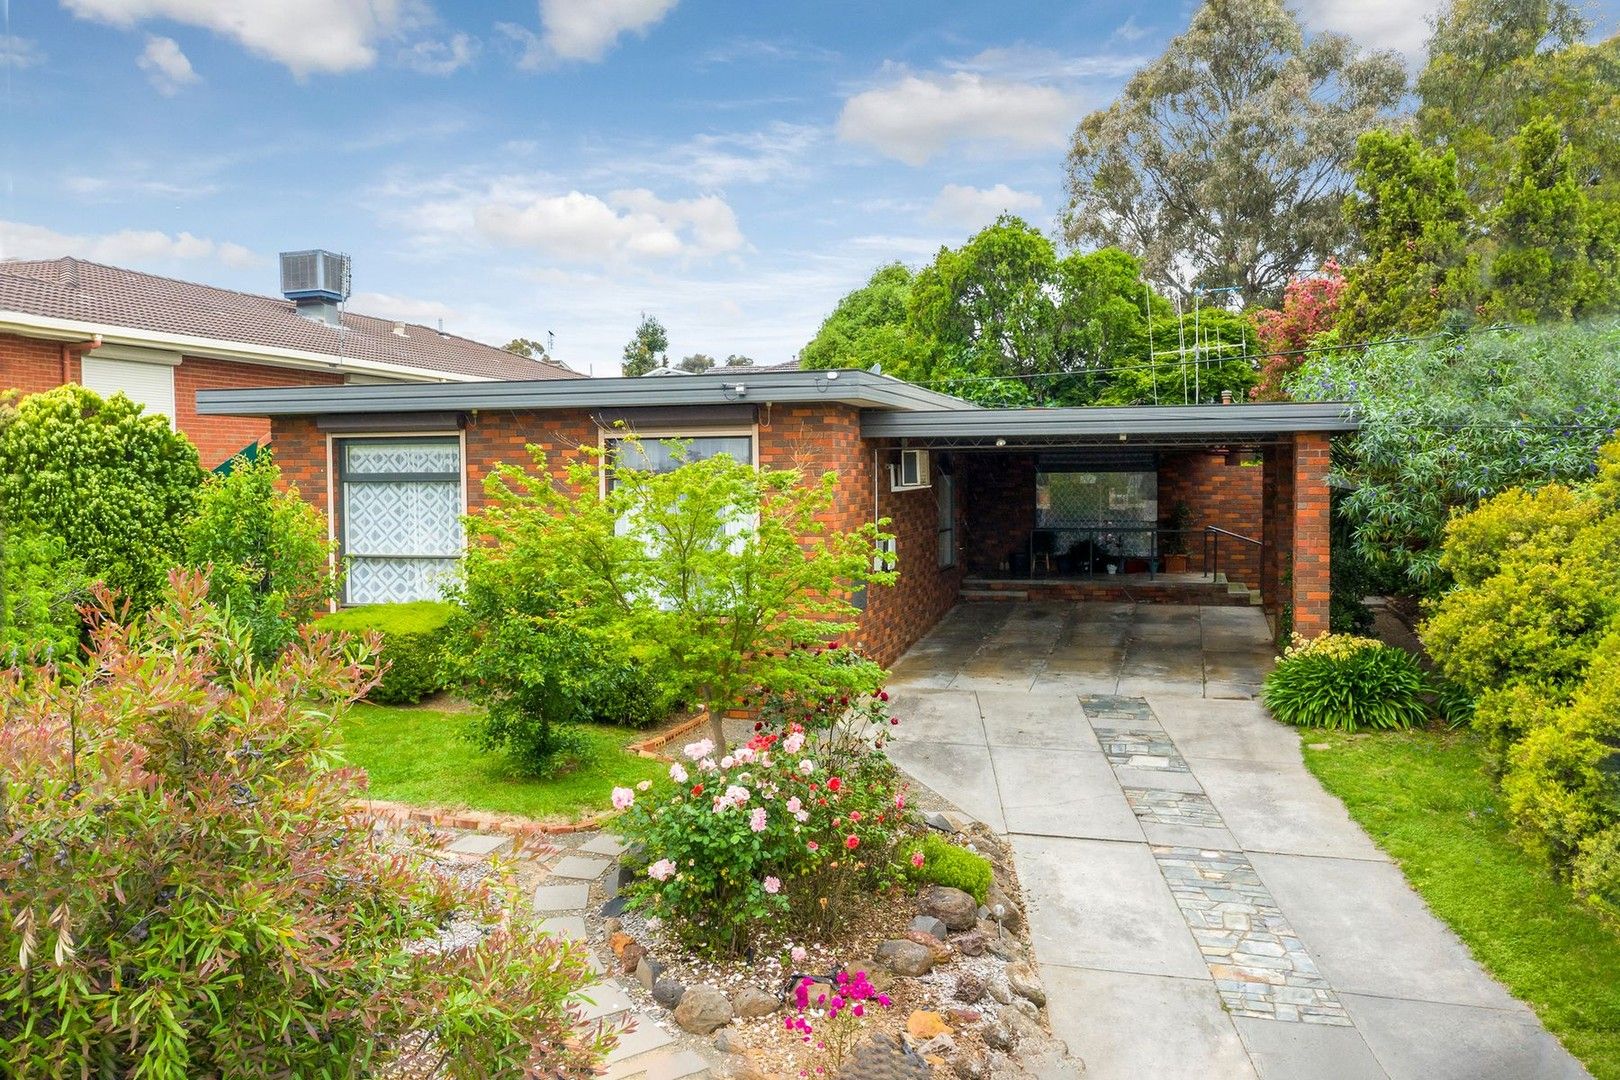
x: 830, y: 1018
x: 799, y: 820
x: 1346, y: 682
x: 185, y: 892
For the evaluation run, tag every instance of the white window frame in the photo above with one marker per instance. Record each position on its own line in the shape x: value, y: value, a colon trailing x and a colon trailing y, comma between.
x: 607, y: 436
x: 920, y: 471
x: 334, y: 485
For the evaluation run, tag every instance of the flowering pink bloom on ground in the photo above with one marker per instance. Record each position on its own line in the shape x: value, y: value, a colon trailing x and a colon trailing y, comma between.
x: 727, y: 762
x: 756, y: 821
x: 852, y: 841
x: 707, y: 764
x: 677, y: 773
x: 622, y: 798
x: 917, y: 859
x: 799, y: 955
x: 698, y: 750
x: 735, y: 796
x: 899, y: 802
x: 661, y: 870
x: 773, y: 885
x: 812, y: 845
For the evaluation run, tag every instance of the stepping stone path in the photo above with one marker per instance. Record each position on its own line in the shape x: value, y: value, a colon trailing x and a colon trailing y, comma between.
x: 652, y: 1051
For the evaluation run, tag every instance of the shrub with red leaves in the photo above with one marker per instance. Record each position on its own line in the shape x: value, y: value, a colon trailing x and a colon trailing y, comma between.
x: 1310, y: 308
x: 185, y: 890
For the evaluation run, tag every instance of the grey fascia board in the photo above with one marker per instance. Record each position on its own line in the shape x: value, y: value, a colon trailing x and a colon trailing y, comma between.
x: 1214, y: 420
x: 859, y: 388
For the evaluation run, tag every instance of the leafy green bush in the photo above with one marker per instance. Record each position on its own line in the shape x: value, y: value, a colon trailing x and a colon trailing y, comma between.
x: 413, y: 645
x: 113, y: 484
x: 1447, y: 423
x: 265, y: 551
x: 1348, y: 683
x: 1596, y: 873
x: 1504, y: 715
x: 185, y: 890
x: 40, y: 593
x: 944, y: 863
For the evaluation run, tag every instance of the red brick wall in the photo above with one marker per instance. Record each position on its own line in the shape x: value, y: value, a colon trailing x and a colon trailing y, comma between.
x: 997, y: 492
x: 1312, y: 533
x: 1227, y: 496
x: 899, y: 616
x: 218, y: 437
x: 31, y: 365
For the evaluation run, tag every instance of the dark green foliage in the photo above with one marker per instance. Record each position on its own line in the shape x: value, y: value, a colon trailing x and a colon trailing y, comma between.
x: 946, y: 864
x: 115, y: 486
x: 413, y: 646
x: 1449, y: 422
x: 265, y: 550
x: 1347, y: 683
x: 40, y: 592
x: 647, y: 349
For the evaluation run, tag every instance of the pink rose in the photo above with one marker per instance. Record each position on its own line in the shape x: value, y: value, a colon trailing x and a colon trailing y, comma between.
x: 756, y: 821
x: 622, y: 798
x: 661, y: 870
x: 773, y: 885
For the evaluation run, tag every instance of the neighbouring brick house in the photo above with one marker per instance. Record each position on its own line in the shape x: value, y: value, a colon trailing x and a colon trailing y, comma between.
x: 988, y: 503
x: 160, y: 340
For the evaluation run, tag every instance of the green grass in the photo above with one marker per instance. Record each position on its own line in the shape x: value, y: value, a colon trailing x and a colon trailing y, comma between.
x: 418, y: 755
x: 1427, y: 801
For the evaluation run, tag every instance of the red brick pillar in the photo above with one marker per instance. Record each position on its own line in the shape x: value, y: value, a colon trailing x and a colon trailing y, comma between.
x: 1312, y: 509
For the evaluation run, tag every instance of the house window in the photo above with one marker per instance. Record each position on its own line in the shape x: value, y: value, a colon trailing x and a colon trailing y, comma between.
x: 910, y: 472
x: 401, y: 513
x: 945, y: 503
x: 150, y: 385
x: 667, y: 453
x: 1104, y: 514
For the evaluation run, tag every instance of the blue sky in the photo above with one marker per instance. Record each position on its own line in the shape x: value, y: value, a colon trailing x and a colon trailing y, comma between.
x: 523, y: 166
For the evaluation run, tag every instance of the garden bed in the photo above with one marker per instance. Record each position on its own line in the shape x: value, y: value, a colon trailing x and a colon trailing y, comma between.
x: 1425, y: 798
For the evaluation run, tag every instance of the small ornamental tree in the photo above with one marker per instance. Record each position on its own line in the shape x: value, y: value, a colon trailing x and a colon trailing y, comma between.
x: 265, y: 550
x: 716, y: 577
x: 186, y: 890
x: 1309, y: 309
x: 114, y: 484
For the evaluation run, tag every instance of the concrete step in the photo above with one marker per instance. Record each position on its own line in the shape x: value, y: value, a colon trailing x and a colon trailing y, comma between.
x: 1220, y: 579
x: 994, y: 594
x: 661, y: 1065
x: 647, y: 1037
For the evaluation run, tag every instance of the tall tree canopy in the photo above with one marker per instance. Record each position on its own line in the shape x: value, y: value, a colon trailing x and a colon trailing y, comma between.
x: 647, y: 349
x: 1004, y: 320
x: 696, y: 362
x: 1224, y: 161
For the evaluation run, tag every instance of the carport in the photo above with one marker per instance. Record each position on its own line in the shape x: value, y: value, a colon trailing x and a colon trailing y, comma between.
x: 1198, y: 505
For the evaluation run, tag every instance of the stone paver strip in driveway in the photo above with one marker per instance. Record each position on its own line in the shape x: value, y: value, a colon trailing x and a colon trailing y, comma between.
x: 1199, y: 905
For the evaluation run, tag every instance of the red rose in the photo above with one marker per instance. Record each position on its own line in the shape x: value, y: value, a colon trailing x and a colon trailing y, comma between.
x: 852, y: 841
x: 834, y: 784
x: 883, y: 695
x: 894, y: 721
x: 697, y: 789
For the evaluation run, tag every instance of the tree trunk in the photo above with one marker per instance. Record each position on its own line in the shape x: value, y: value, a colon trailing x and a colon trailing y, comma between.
x: 717, y: 727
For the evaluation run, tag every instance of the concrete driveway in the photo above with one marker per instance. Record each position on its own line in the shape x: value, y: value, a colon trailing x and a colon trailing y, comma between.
x: 1199, y: 905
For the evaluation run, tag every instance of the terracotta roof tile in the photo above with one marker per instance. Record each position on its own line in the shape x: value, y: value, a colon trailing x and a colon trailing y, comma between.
x: 71, y: 288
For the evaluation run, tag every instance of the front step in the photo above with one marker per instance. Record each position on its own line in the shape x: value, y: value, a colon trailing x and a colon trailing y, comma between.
x: 660, y: 1065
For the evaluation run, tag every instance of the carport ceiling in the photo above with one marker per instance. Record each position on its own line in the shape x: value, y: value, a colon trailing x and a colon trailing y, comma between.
x: 1145, y: 425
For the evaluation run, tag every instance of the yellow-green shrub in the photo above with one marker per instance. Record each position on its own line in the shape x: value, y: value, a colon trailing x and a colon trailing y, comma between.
x: 943, y: 863
x: 413, y: 640
x: 1596, y: 873
x: 1503, y: 716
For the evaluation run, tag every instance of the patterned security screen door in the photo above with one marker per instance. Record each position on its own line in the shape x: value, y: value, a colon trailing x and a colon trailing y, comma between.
x: 401, y: 517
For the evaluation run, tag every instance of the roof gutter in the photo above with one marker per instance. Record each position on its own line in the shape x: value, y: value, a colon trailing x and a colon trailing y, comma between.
x: 54, y: 329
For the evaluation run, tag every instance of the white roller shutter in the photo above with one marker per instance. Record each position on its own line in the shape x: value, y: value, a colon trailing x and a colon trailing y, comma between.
x: 151, y: 385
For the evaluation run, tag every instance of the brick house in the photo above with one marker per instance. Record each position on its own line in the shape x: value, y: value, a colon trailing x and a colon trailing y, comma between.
x: 1192, y: 504
x: 160, y: 340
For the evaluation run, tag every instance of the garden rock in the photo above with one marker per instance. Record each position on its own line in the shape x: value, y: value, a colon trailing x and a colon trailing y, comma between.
x: 725, y: 1041
x: 936, y: 820
x: 648, y: 972
x: 1025, y: 983
x: 906, y: 957
x: 668, y: 992
x: 752, y: 1002
x: 955, y: 908
x: 972, y: 943
x: 1010, y: 915
x: 970, y: 1068
x: 703, y: 1008
x: 923, y: 1025
x: 927, y: 924
x: 883, y: 1057
x: 630, y: 959
x: 999, y: 990
x: 998, y: 1035
x: 969, y: 988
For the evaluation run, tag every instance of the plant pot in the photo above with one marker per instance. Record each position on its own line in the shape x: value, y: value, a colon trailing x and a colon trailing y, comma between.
x: 1175, y: 564
x: 1018, y: 564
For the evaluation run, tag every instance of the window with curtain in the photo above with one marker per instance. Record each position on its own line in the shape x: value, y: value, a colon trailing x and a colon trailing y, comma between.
x: 401, y: 514
x: 665, y: 455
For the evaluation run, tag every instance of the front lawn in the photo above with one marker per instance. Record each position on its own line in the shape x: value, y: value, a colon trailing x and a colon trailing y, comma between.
x: 418, y: 756
x: 1427, y: 801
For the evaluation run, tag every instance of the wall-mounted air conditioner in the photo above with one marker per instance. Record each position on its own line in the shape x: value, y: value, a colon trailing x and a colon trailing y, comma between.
x: 910, y: 472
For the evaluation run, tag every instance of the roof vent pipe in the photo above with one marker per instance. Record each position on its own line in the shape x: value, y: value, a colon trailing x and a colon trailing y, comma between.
x: 317, y: 282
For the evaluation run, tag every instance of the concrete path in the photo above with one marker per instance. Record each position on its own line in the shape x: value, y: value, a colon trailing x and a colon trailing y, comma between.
x: 1199, y: 905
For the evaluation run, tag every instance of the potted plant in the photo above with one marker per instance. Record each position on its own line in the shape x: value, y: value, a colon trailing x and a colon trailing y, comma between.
x: 1175, y: 547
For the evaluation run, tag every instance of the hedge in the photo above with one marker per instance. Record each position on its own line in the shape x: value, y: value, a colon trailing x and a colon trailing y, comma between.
x: 412, y: 646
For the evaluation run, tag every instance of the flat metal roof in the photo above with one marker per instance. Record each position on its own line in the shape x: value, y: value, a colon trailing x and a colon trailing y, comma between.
x: 878, y: 393
x: 1110, y: 425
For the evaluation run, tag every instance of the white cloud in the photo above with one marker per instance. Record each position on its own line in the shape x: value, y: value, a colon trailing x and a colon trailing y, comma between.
x: 753, y: 157
x: 306, y: 36
x: 122, y: 185
x: 971, y: 207
x: 440, y: 57
x: 1402, y: 25
x: 127, y: 247
x: 917, y: 117
x: 19, y: 52
x: 583, y: 29
x: 629, y: 225
x: 403, y: 308
x: 1131, y: 30
x: 166, y: 66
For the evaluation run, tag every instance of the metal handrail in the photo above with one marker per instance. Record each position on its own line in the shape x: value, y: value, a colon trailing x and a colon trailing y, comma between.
x: 1095, y: 534
x: 1212, y: 547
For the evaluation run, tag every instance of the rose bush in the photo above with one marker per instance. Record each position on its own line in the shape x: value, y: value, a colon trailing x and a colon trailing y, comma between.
x: 796, y: 823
